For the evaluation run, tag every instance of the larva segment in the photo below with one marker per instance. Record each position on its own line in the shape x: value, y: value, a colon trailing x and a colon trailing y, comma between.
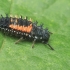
x: 11, y: 26
x: 29, y: 28
x: 21, y: 28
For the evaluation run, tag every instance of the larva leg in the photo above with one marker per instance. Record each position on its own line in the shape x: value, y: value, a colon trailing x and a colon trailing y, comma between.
x: 50, y: 46
x: 50, y: 32
x: 33, y: 43
x: 19, y: 40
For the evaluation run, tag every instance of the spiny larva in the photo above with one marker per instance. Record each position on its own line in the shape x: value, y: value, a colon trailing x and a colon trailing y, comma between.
x: 24, y: 29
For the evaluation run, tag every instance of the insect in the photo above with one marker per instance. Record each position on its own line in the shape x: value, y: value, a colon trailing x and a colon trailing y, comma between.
x: 24, y: 29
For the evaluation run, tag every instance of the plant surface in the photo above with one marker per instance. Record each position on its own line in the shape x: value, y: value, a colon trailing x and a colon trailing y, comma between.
x: 55, y: 14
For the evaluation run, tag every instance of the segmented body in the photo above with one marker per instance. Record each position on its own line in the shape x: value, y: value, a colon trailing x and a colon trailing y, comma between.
x: 25, y: 28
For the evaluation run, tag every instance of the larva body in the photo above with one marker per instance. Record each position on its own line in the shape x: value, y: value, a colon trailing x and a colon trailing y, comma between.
x: 24, y: 28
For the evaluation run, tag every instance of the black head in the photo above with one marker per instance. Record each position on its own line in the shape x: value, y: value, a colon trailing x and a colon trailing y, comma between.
x: 45, y: 35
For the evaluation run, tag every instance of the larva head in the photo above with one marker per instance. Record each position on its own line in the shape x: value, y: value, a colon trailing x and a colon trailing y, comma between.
x: 45, y: 35
x: 39, y: 33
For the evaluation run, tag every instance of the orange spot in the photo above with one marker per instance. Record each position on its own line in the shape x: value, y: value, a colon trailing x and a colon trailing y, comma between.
x: 11, y: 26
x: 18, y: 27
x: 21, y: 28
x: 15, y: 27
x: 25, y: 29
x: 29, y: 28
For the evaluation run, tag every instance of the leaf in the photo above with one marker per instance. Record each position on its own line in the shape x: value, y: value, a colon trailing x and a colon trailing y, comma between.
x: 55, y: 14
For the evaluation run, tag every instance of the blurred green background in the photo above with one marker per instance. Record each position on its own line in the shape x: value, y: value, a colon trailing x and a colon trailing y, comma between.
x: 55, y: 14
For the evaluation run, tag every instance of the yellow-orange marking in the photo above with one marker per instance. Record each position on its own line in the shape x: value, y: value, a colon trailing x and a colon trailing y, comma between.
x: 21, y: 28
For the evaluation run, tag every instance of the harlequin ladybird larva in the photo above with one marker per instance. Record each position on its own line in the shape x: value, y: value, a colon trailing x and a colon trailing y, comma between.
x: 24, y: 29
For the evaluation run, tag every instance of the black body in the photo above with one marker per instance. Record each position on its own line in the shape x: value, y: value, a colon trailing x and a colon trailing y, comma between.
x: 37, y: 33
